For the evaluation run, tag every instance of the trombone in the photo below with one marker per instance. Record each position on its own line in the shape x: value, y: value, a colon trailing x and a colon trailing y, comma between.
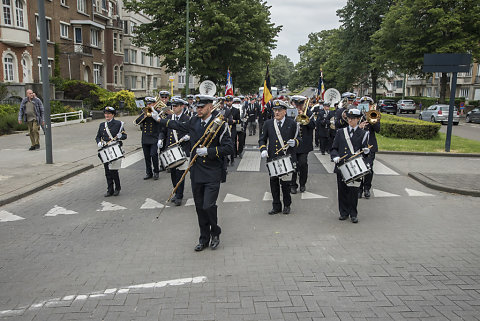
x: 148, y: 111
x: 302, y: 118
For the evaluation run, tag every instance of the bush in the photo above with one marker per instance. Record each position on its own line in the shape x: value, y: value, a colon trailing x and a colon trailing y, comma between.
x: 91, y: 94
x: 401, y: 127
x: 8, y: 109
x: 9, y: 123
x: 123, y: 95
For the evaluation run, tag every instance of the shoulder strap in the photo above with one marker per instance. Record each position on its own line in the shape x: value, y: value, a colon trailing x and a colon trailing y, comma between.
x: 279, y: 135
x: 108, y: 131
x: 347, y: 138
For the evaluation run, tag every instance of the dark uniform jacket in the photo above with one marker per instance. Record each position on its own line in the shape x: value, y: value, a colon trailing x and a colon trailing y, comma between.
x: 232, y: 115
x: 340, y: 146
x: 251, y: 113
x: 209, y: 168
x: 372, y: 140
x: 166, y: 134
x: 150, y: 131
x: 306, y: 134
x: 323, y: 122
x: 114, y: 127
x: 339, y: 121
x: 289, y: 130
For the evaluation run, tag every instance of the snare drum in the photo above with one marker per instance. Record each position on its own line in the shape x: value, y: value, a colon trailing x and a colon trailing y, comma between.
x: 111, y: 152
x: 173, y: 157
x: 280, y: 166
x: 354, y: 169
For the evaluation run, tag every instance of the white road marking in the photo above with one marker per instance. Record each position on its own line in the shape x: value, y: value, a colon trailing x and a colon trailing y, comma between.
x: 412, y: 192
x: 189, y: 202
x: 2, y: 177
x: 108, y: 292
x: 132, y: 159
x: 230, y: 198
x: 107, y: 206
x: 150, y: 204
x: 379, y: 193
x: 9, y: 217
x: 326, y: 162
x: 58, y: 210
x: 380, y: 169
x: 250, y: 162
x: 267, y: 196
x: 308, y: 195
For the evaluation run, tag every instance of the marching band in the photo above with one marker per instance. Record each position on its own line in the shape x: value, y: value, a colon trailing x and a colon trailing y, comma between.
x: 205, y: 134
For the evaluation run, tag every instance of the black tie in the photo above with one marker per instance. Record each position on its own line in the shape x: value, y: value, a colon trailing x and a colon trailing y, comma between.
x: 279, y: 123
x: 203, y: 124
x: 351, y: 132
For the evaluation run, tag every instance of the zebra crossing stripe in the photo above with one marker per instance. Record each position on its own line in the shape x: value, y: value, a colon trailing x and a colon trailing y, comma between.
x: 250, y: 162
x: 9, y: 217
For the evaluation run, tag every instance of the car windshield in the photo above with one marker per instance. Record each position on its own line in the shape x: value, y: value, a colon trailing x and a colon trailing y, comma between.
x: 408, y: 101
x: 388, y: 101
x: 446, y: 108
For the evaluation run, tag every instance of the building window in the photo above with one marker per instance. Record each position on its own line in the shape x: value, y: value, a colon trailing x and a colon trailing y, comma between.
x: 97, y: 74
x: 158, y: 61
x: 127, y: 85
x: 63, y: 2
x: 125, y: 27
x: 115, y: 47
x: 7, y: 13
x: 48, y: 24
x: 142, y: 58
x: 125, y: 55
x: 19, y: 12
x: 82, y: 6
x: 143, y: 82
x: 94, y: 37
x: 154, y: 82
x: 133, y: 25
x: 78, y: 35
x: 120, y: 42
x: 121, y: 73
x: 8, y: 68
x: 151, y: 61
x: 40, y: 68
x: 63, y: 30
x: 115, y: 75
x: 104, y: 5
x: 133, y: 58
x: 464, y: 92
x: 134, y: 82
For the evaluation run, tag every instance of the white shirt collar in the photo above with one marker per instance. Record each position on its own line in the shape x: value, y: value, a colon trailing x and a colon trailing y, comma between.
x: 281, y: 120
x: 350, y: 128
x: 206, y: 120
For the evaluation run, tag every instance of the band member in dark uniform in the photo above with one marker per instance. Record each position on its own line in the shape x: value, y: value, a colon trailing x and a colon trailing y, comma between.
x: 372, y: 127
x: 206, y: 171
x: 232, y: 115
x: 252, y: 114
x: 323, y: 126
x: 307, y: 126
x: 315, y: 110
x: 288, y: 130
x: 165, y: 97
x: 348, y: 195
x: 150, y: 131
x: 239, y: 141
x: 110, y: 131
x: 171, y: 137
x: 264, y: 113
x: 340, y: 114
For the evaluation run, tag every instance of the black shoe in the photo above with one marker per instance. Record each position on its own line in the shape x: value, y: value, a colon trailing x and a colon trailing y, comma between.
x: 32, y: 148
x: 273, y: 212
x: 173, y: 199
x: 367, y: 194
x: 342, y: 218
x: 360, y: 193
x: 354, y: 220
x: 178, y: 201
x: 108, y: 194
x: 286, y: 210
x: 214, y: 243
x: 37, y: 146
x: 293, y: 190
x: 302, y: 189
x: 155, y: 176
x: 240, y: 156
x: 117, y: 191
x: 148, y: 176
x: 200, y: 247
x: 323, y: 153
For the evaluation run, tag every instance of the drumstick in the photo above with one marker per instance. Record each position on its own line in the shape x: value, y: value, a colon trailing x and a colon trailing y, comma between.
x: 114, y: 138
x: 283, y: 148
x: 369, y: 146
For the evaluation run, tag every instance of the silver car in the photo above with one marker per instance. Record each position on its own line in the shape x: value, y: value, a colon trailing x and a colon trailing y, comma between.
x: 406, y: 106
x: 439, y: 114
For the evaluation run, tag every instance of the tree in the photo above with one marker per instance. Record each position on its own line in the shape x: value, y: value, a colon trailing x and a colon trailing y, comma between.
x: 360, y: 20
x: 235, y: 34
x: 412, y: 28
x: 281, y: 68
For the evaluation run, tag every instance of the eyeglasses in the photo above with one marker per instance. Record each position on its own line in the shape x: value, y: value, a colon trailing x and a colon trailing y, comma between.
x: 163, y: 96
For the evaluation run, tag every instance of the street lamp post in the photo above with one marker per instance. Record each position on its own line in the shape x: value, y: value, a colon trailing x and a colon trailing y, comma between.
x: 187, y: 43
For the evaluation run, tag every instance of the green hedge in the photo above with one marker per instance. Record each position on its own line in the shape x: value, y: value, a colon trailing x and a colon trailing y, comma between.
x: 9, y: 124
x: 401, y: 127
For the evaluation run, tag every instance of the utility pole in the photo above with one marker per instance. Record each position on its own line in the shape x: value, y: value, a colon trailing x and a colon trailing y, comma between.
x: 187, y: 44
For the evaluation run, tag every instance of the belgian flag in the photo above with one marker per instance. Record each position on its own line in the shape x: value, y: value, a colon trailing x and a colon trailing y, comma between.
x: 267, y: 90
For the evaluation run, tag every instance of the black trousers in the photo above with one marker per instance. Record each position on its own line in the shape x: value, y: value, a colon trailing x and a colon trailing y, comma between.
x: 317, y: 136
x: 252, y: 128
x: 331, y: 136
x: 302, y: 169
x: 150, y: 154
x: 113, y: 180
x: 347, y: 198
x: 275, y: 184
x: 241, y: 142
x: 205, y: 198
x: 324, y: 146
x: 175, y: 175
x: 367, y: 179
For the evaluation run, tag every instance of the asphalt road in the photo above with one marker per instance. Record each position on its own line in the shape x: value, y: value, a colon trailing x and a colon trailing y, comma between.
x: 73, y: 254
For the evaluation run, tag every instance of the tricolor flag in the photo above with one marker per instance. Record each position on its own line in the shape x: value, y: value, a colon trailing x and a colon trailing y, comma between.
x: 321, y: 87
x: 229, y: 86
x: 267, y: 90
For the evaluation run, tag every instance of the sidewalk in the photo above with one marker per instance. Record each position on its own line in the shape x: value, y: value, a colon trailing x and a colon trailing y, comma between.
x: 24, y: 172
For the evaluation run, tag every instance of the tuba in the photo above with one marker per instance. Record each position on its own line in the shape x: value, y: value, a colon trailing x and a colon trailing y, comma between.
x: 302, y: 118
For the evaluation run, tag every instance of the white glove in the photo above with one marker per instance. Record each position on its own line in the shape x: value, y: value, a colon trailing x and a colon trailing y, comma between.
x: 155, y: 115
x: 291, y: 142
x: 185, y: 138
x: 264, y: 154
x: 119, y: 136
x: 336, y: 160
x: 366, y: 150
x: 202, y: 151
x: 100, y: 144
x: 160, y: 143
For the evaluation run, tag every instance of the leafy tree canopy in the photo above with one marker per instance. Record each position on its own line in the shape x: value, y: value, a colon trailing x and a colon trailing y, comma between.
x: 235, y: 34
x: 281, y: 68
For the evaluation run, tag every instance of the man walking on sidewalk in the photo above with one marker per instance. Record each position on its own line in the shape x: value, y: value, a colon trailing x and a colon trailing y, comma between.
x: 31, y: 112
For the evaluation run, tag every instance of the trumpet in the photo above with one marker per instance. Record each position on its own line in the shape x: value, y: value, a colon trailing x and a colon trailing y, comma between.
x: 302, y: 118
x: 148, y: 111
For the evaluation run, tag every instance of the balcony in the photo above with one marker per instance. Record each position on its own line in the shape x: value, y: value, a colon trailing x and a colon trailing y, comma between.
x: 14, y: 37
x: 83, y: 49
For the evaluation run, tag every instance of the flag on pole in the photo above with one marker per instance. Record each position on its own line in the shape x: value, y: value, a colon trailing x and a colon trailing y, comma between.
x: 321, y: 87
x: 267, y: 90
x: 229, y: 86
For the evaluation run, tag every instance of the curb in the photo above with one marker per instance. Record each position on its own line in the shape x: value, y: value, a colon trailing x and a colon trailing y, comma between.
x: 419, y: 177
x: 394, y: 152
x: 22, y: 192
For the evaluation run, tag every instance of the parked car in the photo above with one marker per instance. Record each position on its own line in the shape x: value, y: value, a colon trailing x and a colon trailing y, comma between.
x: 473, y: 116
x: 439, y: 114
x: 406, y: 106
x: 387, y: 106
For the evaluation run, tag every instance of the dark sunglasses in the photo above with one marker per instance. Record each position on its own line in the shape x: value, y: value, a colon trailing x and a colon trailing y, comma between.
x: 163, y: 96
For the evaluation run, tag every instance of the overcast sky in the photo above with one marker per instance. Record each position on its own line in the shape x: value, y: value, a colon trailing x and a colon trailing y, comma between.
x: 299, y: 18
